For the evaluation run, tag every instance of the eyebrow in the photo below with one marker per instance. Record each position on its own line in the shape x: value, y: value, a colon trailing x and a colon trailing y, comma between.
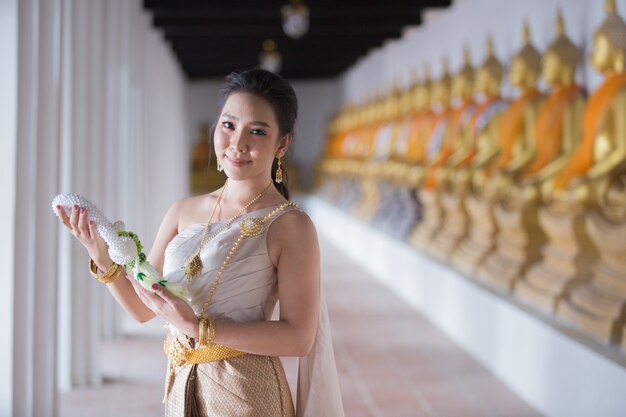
x: 256, y: 122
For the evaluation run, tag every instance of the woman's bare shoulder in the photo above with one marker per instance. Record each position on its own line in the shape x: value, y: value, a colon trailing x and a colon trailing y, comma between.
x: 292, y: 234
x: 293, y: 225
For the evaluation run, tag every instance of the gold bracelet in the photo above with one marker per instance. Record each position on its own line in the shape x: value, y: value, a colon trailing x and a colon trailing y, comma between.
x: 211, y: 336
x: 202, y: 330
x: 114, y: 272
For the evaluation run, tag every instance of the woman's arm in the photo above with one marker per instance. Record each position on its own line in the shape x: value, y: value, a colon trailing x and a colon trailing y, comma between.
x: 121, y: 289
x: 292, y: 240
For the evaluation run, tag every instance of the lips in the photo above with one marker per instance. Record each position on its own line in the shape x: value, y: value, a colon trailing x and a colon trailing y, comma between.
x: 237, y: 162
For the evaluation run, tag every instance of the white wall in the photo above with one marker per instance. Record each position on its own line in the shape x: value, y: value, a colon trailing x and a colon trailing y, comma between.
x: 317, y: 99
x: 469, y: 22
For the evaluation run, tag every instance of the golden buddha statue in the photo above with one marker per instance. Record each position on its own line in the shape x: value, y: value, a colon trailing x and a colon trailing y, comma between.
x: 481, y: 145
x: 384, y: 133
x: 328, y: 168
x: 440, y: 92
x: 515, y: 150
x: 420, y: 129
x: 587, y: 204
x: 397, y: 211
x: 483, y: 133
x: 586, y: 178
x: 517, y: 145
x: 202, y: 176
x: 396, y: 168
x: 454, y: 147
x: 454, y: 140
x: 520, y: 238
x: 202, y: 149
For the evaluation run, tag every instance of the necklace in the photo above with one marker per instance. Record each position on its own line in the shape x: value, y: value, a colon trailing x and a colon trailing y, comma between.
x: 194, y: 265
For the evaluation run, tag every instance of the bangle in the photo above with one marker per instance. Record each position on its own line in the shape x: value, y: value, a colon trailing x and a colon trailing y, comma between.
x: 202, y: 330
x: 109, y: 276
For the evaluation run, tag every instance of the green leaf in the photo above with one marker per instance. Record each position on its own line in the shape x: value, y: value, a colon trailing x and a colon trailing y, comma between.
x: 163, y: 282
x: 140, y: 276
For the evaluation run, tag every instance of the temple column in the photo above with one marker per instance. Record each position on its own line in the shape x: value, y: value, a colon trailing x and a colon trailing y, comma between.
x: 8, y: 174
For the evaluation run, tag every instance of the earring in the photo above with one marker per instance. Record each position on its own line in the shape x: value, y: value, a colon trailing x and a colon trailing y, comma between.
x: 219, y: 166
x: 279, y: 171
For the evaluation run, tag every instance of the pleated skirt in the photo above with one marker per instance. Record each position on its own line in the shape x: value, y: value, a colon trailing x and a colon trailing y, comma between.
x: 244, y: 386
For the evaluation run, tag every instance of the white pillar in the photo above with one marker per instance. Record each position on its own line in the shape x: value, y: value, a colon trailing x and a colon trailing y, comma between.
x: 33, y: 256
x: 8, y: 185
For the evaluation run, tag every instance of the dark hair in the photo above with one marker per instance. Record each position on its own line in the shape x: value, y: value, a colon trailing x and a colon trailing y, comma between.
x: 277, y: 92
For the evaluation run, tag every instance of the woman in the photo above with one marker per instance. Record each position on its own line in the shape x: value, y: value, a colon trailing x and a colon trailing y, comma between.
x: 256, y: 248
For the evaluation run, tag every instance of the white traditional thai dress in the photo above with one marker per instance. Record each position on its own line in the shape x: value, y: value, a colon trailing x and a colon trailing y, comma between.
x: 248, y: 385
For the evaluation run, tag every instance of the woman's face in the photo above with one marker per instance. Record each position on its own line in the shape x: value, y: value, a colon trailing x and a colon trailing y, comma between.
x: 247, y: 137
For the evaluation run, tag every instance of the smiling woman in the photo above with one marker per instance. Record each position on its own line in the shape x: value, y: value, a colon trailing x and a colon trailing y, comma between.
x: 260, y: 113
x: 257, y: 248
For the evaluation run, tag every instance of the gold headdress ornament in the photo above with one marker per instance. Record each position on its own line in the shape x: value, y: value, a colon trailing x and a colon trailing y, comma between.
x: 467, y: 70
x: 491, y: 63
x: 562, y: 46
x: 414, y: 78
x: 426, y: 79
x: 445, y: 75
x: 529, y: 54
x: 613, y: 27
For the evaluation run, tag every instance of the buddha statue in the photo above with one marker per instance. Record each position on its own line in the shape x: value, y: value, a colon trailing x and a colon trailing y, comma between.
x: 456, y: 144
x: 202, y: 149
x: 397, y: 211
x: 481, y: 144
x: 587, y: 204
x: 430, y: 201
x: 352, y: 149
x: 203, y: 176
x: 384, y: 134
x: 419, y: 116
x: 556, y: 132
x: 483, y: 133
x: 515, y: 149
x: 330, y: 174
x: 455, y: 136
x: 586, y: 178
x: 423, y: 122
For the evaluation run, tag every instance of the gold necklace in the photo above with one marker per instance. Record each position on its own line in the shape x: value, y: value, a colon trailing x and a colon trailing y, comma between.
x: 194, y: 265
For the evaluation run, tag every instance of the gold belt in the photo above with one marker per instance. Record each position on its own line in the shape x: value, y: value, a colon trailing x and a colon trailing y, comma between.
x: 180, y: 355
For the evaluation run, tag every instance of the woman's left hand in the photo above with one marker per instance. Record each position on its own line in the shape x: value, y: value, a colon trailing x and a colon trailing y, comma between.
x: 169, y: 307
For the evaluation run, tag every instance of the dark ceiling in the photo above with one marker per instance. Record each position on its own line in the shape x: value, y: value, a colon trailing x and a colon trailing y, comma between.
x: 213, y: 38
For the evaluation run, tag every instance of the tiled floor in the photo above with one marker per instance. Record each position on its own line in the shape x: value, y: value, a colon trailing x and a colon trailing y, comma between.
x: 391, y: 362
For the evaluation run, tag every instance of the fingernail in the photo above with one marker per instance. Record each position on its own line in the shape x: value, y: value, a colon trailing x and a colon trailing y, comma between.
x: 155, y: 287
x: 91, y: 222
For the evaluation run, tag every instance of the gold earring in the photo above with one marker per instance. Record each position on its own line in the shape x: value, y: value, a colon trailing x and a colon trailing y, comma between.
x: 219, y: 166
x: 279, y: 171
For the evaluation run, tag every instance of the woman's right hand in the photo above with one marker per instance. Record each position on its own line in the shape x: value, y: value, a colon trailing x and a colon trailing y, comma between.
x: 87, y: 234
